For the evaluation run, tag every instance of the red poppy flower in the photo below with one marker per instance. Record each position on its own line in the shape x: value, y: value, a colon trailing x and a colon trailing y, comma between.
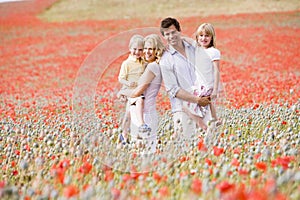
x: 2, y: 184
x: 164, y: 191
x: 156, y: 176
x: 243, y: 172
x: 261, y: 165
x: 237, y: 151
x: 184, y: 158
x: 109, y: 175
x: 126, y: 177
x: 85, y: 168
x: 201, y: 145
x: 15, y: 172
x: 208, y: 161
x: 196, y: 186
x: 115, y: 193
x: 225, y: 186
x: 218, y: 151
x: 256, y: 156
x: 283, y: 161
x: 70, y: 191
x: 13, y: 163
x: 235, y: 162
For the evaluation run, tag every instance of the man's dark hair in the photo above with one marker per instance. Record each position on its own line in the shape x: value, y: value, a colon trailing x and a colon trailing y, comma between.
x: 167, y: 22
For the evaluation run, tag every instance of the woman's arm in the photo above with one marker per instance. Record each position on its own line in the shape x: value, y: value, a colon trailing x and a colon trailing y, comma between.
x: 143, y: 84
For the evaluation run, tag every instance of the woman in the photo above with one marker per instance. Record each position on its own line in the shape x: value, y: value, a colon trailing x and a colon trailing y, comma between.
x: 148, y: 85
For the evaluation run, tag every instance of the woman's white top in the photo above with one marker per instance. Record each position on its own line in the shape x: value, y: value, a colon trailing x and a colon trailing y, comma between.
x: 152, y: 90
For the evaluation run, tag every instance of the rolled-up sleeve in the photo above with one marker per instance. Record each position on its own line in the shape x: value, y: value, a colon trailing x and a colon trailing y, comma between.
x: 168, y: 75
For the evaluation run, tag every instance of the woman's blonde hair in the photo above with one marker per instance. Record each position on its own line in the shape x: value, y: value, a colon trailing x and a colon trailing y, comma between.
x: 158, y: 45
x: 207, y: 28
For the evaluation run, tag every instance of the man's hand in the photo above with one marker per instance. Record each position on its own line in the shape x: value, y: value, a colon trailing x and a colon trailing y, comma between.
x: 203, y: 101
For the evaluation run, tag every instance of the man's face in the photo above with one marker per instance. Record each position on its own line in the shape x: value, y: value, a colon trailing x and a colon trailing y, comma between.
x: 172, y: 36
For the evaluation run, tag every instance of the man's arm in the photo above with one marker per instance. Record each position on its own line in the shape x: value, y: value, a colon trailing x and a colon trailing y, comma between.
x: 173, y: 88
x: 189, y: 40
x: 186, y: 96
x: 168, y: 75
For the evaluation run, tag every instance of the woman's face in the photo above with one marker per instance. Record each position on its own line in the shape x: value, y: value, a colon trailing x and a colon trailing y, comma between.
x: 149, y: 51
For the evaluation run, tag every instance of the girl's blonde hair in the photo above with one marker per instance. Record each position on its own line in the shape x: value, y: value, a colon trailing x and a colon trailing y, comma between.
x: 207, y: 28
x: 158, y: 45
x: 136, y: 39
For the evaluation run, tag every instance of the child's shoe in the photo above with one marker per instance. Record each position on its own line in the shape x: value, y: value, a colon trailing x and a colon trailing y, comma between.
x: 144, y: 128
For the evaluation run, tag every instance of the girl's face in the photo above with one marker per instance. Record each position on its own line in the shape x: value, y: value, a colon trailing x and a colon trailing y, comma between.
x: 149, y: 51
x: 136, y: 50
x: 204, y: 39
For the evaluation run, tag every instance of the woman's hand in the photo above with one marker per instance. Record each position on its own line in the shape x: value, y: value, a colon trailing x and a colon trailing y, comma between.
x: 121, y: 96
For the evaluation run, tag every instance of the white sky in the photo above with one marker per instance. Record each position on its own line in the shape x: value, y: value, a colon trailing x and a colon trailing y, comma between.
x: 3, y: 1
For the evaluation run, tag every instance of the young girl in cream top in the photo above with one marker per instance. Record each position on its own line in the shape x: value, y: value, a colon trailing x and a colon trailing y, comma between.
x: 131, y: 70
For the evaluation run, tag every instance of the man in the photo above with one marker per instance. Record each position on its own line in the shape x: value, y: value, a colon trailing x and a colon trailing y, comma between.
x: 178, y: 72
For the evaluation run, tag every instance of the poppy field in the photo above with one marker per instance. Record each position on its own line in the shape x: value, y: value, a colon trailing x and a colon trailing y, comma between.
x: 47, y: 151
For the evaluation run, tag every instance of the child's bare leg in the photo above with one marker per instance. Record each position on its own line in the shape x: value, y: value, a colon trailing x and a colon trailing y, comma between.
x: 139, y: 110
x: 196, y: 118
x: 140, y: 115
x: 201, y: 123
x: 214, y: 114
x: 213, y: 111
x: 126, y: 124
